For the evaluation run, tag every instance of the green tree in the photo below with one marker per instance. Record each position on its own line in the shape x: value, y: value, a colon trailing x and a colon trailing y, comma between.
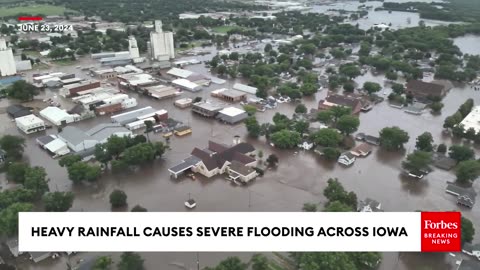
x: 82, y: 171
x: 468, y: 230
x: 16, y: 172
x: 115, y: 145
x: 308, y: 89
x: 350, y: 70
x: 22, y: 91
x: 300, y: 109
x: 393, y: 138
x: 139, y: 208
x: 325, y: 261
x: 327, y: 137
x: 272, y: 160
x: 301, y: 127
x: 309, y: 207
x: 9, y: 217
x: 58, y: 201
x: 66, y: 161
x: 139, y: 154
x: 13, y: 146
x: 461, y: 152
x: 285, y: 139
x: 398, y: 88
x: 331, y: 153
x: 325, y: 116
x: 424, y: 142
x: 35, y: 179
x: 349, y: 87
x: 467, y: 171
x: 336, y: 192
x: 118, y: 198
x: 103, y: 263
x: 339, y: 111
x: 347, y: 124
x: 253, y: 127
x: 337, y: 206
x: 371, y: 87
x: 436, y: 107
x: 417, y: 161
x: 11, y: 196
x: 250, y: 109
x: 442, y: 148
x: 391, y: 75
x: 259, y: 262
x: 101, y: 154
x: 130, y: 261
x: 231, y: 263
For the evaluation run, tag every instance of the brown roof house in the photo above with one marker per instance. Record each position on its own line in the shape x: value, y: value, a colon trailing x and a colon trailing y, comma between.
x: 339, y: 100
x: 218, y: 159
x: 420, y: 89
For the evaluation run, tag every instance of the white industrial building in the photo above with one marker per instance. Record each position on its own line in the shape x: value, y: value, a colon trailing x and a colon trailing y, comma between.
x: 187, y: 85
x: 79, y: 140
x: 162, y: 46
x: 58, y: 116
x: 133, y: 47
x: 472, y: 120
x: 30, y: 124
x: 180, y: 73
x: 245, y: 88
x: 232, y: 115
x: 7, y: 62
x: 57, y: 148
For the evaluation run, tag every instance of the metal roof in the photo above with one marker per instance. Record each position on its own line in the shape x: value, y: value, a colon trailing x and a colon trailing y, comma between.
x: 131, y: 116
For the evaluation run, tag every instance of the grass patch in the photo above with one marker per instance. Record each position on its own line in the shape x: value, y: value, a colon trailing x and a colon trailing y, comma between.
x: 223, y: 29
x: 33, y: 10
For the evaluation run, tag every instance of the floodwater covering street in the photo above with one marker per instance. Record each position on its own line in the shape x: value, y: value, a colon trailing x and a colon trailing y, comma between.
x: 300, y: 177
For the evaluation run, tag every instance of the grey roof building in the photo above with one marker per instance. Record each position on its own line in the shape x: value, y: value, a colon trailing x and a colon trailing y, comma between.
x: 16, y: 111
x: 79, y: 140
x: 128, y: 117
x: 465, y: 196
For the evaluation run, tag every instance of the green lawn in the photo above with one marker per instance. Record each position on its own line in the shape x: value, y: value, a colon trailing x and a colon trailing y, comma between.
x: 33, y: 10
x: 223, y: 29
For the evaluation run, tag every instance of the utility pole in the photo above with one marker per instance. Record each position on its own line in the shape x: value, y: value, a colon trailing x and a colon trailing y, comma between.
x: 198, y: 262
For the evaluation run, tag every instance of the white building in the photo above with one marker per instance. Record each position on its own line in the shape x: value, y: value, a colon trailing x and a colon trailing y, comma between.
x: 133, y: 47
x: 346, y: 159
x: 187, y: 85
x: 30, y: 124
x: 57, y: 148
x: 58, y: 116
x: 472, y: 120
x: 162, y: 46
x: 7, y: 62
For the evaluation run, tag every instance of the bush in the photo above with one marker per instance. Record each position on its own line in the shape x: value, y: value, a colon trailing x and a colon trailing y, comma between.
x: 118, y: 198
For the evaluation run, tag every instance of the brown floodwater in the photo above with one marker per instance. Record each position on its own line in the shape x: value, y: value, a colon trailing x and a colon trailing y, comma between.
x: 300, y: 177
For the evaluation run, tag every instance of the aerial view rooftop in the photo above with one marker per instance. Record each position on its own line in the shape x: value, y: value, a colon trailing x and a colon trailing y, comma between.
x: 238, y: 106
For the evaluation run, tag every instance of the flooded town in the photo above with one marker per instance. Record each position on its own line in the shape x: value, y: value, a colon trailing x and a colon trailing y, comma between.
x: 251, y: 106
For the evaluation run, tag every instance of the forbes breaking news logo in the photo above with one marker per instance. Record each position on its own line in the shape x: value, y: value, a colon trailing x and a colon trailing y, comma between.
x: 441, y: 232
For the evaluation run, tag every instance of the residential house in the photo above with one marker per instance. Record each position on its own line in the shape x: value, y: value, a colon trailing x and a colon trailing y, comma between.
x: 306, y: 145
x: 240, y: 172
x: 465, y: 196
x: 362, y: 150
x: 217, y: 159
x: 420, y: 89
x: 369, y: 205
x: 367, y: 138
x: 472, y: 250
x: 346, y: 159
x: 339, y: 100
